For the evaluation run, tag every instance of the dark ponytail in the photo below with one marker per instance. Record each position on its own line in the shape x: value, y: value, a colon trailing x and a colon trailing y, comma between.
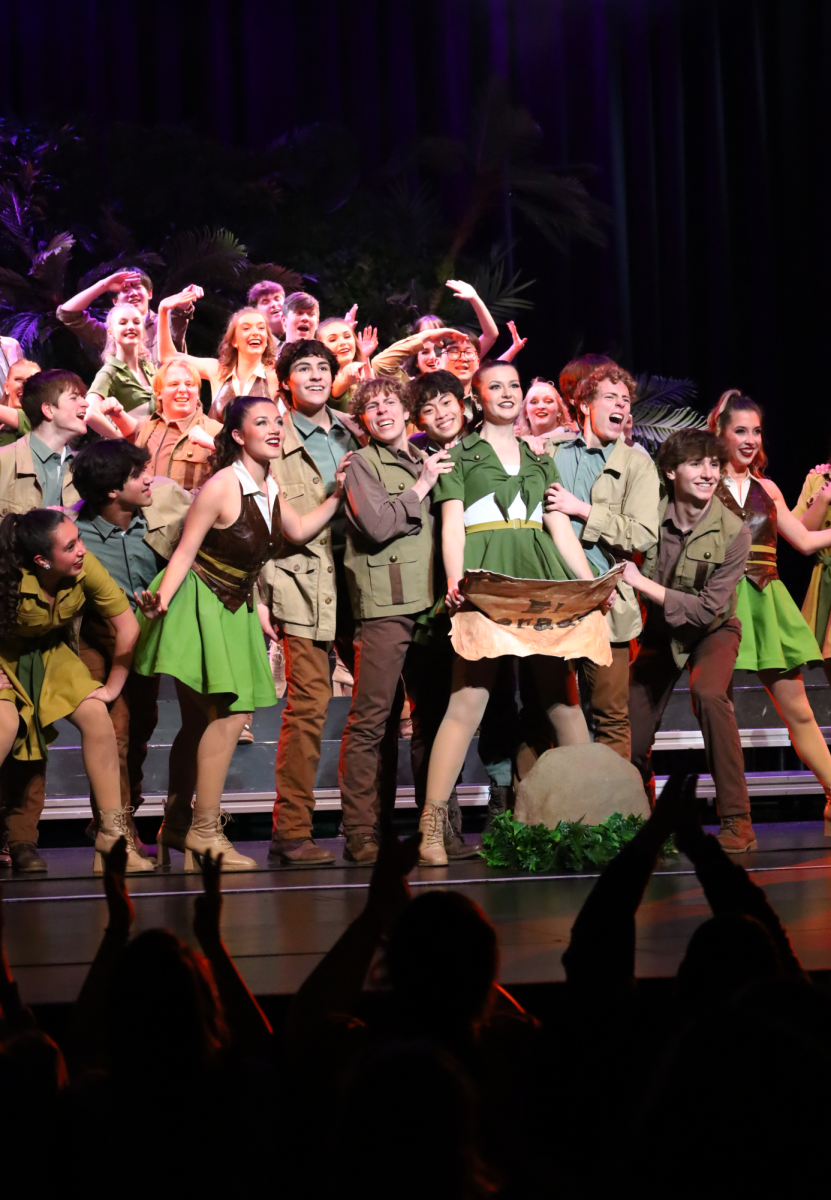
x: 22, y: 537
x: 226, y: 449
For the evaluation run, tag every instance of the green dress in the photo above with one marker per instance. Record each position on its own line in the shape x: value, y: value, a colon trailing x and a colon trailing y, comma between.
x: 210, y: 637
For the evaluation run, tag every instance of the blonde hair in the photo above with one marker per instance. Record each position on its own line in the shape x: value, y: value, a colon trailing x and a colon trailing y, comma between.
x: 227, y: 354
x: 522, y: 426
x: 160, y: 378
x: 110, y: 346
x: 18, y: 362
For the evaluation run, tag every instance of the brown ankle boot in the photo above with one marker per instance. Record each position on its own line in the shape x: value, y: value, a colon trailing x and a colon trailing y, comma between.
x: 736, y: 835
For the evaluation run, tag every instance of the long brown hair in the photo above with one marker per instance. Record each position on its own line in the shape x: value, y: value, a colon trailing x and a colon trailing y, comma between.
x: 22, y: 537
x: 227, y: 354
x: 730, y: 402
x: 226, y: 448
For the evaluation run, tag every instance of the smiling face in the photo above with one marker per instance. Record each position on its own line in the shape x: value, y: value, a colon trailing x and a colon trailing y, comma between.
x: 385, y: 418
x: 136, y: 491
x: 428, y: 358
x: 500, y: 394
x: 262, y: 431
x: 310, y: 384
x: 126, y: 324
x: 179, y: 396
x: 135, y: 294
x: 542, y: 407
x: 300, y: 325
x: 442, y: 419
x: 69, y: 414
x: 271, y: 306
x: 462, y: 360
x: 13, y: 387
x: 67, y: 554
x: 743, y: 437
x: 341, y: 341
x: 606, y: 412
x: 695, y: 480
x: 250, y: 335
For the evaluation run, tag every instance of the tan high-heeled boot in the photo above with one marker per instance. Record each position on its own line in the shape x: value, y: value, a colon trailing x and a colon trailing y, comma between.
x: 173, y: 830
x: 114, y: 823
x: 207, y: 833
x: 433, y: 827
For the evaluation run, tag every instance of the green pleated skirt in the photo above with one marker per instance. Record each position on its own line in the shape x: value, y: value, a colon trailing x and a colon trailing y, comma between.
x: 206, y: 646
x: 775, y: 635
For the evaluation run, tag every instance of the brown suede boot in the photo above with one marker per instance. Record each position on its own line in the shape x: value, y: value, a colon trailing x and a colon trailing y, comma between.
x: 360, y: 848
x: 298, y: 852
x: 736, y: 835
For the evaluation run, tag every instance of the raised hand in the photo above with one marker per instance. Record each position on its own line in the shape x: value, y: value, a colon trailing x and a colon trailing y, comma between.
x: 461, y: 290
x: 119, y: 904
x: 183, y: 299
x: 110, y: 407
x: 517, y: 342
x: 351, y: 317
x: 121, y: 279
x: 389, y: 891
x: 368, y: 341
x: 152, y: 606
x: 208, y: 908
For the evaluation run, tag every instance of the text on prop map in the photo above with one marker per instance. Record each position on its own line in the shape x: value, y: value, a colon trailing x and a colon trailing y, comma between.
x: 538, y: 604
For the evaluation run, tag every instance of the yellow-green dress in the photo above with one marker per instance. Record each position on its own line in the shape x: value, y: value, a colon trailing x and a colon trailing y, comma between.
x: 48, y: 679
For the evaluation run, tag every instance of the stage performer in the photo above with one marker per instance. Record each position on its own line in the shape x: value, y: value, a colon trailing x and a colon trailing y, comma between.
x: 689, y: 584
x: 812, y: 508
x: 544, y: 414
x: 301, y: 316
x: 492, y: 518
x: 268, y: 297
x: 420, y: 352
x: 388, y: 562
x: 36, y: 471
x: 245, y: 362
x: 13, y: 418
x: 46, y: 578
x: 179, y: 436
x: 132, y: 521
x: 127, y: 373
x: 436, y: 403
x: 11, y: 352
x: 131, y: 286
x: 776, y: 641
x: 353, y: 353
x: 305, y: 594
x: 610, y: 492
x: 199, y: 619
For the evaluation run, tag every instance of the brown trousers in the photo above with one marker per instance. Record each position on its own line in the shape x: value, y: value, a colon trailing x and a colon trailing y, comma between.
x: 134, y: 713
x: 653, y: 676
x: 607, y: 691
x: 308, y: 691
x: 23, y: 791
x: 369, y: 749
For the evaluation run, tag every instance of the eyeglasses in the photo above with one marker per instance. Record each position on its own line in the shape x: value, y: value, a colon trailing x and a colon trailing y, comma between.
x: 455, y: 352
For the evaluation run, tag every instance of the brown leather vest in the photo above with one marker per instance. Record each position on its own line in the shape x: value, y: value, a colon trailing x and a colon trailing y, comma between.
x: 226, y: 395
x: 759, y: 514
x: 229, y: 560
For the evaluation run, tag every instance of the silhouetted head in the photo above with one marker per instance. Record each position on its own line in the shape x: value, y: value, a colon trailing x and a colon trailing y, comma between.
x: 32, y: 1073
x: 163, y: 991
x: 724, y: 955
x: 443, y: 958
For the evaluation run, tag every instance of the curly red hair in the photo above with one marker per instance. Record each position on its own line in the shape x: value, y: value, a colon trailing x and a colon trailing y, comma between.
x: 587, y: 387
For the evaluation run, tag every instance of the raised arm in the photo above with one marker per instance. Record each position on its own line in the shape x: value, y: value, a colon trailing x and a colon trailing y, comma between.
x: 81, y: 301
x: 792, y: 530
x: 207, y: 367
x: 466, y: 291
x: 10, y: 416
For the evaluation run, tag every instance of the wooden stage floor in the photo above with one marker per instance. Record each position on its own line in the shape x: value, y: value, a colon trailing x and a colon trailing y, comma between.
x: 278, y: 922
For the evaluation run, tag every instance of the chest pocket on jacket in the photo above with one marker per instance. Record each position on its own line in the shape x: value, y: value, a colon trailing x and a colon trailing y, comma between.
x: 395, y: 575
x: 293, y: 491
x: 702, y: 560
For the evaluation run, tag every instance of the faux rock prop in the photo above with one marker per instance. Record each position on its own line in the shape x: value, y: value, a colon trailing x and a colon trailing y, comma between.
x: 579, y: 782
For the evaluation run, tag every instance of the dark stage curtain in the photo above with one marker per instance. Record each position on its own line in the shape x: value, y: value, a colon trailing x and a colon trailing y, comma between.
x: 707, y: 121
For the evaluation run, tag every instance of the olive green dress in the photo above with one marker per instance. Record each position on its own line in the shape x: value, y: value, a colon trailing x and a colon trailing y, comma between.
x: 48, y: 680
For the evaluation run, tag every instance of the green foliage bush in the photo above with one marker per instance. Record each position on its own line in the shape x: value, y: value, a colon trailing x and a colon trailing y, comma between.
x: 571, y: 846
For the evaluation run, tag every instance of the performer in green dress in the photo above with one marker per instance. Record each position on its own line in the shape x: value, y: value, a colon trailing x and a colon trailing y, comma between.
x: 46, y: 579
x: 200, y: 624
x: 776, y: 640
x: 492, y: 519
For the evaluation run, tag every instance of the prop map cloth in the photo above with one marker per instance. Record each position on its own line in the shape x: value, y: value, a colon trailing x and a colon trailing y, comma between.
x: 503, y: 615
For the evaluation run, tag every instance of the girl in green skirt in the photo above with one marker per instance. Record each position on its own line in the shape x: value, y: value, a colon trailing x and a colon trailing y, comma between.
x: 200, y: 625
x: 776, y: 641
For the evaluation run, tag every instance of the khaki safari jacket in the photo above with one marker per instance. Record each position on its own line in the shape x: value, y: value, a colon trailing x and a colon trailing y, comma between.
x: 624, y: 521
x: 20, y: 489
x: 299, y: 587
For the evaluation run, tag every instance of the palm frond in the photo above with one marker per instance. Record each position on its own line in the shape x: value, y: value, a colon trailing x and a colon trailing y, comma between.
x: 27, y: 327
x: 502, y: 297
x: 662, y: 389
x: 209, y: 256
x: 290, y: 280
x: 50, y: 263
x: 654, y: 422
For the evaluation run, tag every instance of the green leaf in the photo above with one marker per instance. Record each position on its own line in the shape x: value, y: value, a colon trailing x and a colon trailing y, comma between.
x: 568, y: 847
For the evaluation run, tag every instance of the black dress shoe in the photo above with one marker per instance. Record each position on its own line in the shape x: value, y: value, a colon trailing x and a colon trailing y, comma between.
x: 25, y: 857
x: 299, y: 852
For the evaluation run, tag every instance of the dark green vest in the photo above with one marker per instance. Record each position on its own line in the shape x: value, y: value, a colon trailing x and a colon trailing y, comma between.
x: 395, y: 578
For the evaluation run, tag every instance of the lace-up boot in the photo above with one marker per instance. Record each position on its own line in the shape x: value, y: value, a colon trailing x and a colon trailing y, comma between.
x: 736, y: 835
x: 434, y: 828
x: 114, y: 823
x: 208, y: 833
